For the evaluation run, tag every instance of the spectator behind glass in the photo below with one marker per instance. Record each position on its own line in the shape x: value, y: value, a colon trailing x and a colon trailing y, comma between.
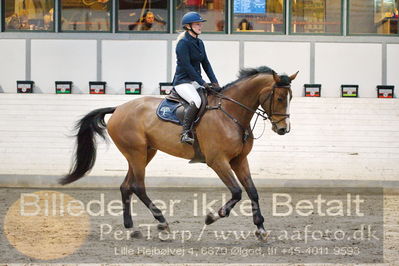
x: 49, y: 19
x: 220, y: 25
x: 245, y: 25
x: 27, y: 14
x: 148, y: 22
x: 15, y: 22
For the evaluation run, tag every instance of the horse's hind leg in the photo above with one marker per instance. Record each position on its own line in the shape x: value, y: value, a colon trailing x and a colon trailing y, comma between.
x: 138, y: 166
x: 227, y: 176
x: 134, y: 183
x: 127, y: 191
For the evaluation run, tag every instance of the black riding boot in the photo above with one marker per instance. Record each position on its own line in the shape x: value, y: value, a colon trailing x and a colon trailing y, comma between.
x: 189, y: 116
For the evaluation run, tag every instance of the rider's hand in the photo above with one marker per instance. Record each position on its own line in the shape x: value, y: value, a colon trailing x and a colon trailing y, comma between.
x: 216, y: 87
x: 207, y: 86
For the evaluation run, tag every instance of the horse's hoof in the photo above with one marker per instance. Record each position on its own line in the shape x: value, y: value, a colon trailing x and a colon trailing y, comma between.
x: 137, y: 234
x: 163, y: 227
x: 211, y: 218
x: 261, y: 234
x: 128, y: 224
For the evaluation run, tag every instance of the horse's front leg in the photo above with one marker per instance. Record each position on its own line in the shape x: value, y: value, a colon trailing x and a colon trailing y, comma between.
x: 241, y: 169
x: 223, y: 170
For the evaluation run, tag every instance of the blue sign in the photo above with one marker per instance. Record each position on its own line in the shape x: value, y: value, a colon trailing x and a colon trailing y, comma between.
x: 249, y: 6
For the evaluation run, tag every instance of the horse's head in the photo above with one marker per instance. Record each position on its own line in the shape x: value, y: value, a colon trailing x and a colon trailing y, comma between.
x: 275, y: 100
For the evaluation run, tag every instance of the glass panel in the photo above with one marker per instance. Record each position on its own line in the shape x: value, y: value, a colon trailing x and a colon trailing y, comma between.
x: 373, y: 16
x: 258, y: 16
x: 29, y: 15
x: 85, y: 15
x: 316, y: 16
x: 143, y: 15
x: 211, y: 10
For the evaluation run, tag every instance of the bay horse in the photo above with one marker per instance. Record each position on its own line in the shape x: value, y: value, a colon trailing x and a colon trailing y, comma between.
x: 223, y: 134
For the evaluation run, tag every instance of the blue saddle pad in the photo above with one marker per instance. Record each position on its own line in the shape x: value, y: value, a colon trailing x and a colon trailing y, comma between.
x: 167, y: 111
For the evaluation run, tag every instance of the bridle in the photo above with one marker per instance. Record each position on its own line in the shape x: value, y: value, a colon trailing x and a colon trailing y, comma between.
x: 259, y: 112
x: 270, y: 96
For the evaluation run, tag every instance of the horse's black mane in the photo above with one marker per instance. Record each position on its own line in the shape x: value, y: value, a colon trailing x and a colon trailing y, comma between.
x: 249, y: 72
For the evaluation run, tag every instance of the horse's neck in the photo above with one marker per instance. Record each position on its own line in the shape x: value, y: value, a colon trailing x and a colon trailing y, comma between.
x: 245, y: 92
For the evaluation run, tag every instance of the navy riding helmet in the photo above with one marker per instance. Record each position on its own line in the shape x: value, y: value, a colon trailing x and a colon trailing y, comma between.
x: 191, y: 17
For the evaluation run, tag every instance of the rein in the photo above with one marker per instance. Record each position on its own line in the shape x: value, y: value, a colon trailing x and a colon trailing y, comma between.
x: 259, y: 112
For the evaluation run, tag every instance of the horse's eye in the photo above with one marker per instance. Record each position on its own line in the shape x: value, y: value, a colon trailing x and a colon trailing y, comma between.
x: 280, y: 99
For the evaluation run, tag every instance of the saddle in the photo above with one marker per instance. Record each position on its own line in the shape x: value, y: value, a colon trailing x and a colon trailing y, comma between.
x: 172, y: 108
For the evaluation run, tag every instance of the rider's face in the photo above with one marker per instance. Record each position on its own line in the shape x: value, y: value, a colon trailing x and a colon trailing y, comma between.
x: 197, y: 27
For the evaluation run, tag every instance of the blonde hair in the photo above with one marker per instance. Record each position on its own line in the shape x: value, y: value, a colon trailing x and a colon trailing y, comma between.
x: 180, y: 36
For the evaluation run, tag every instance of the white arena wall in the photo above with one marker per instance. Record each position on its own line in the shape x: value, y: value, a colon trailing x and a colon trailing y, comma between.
x: 335, y: 139
x: 330, y: 61
x: 12, y: 63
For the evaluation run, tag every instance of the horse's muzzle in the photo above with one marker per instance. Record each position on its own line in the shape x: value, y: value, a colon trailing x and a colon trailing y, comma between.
x: 282, y: 131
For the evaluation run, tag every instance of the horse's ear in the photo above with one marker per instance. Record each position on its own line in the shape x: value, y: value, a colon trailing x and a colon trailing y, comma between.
x: 276, y: 77
x: 293, y: 76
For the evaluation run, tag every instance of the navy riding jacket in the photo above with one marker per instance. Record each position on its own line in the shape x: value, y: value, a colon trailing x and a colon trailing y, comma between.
x: 190, y: 54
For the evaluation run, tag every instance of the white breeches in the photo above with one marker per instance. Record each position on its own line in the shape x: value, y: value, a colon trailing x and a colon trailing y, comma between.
x: 188, y: 91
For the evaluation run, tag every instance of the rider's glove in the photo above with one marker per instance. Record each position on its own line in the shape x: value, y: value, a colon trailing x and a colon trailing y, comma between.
x: 216, y: 87
x: 213, y: 87
x: 207, y: 86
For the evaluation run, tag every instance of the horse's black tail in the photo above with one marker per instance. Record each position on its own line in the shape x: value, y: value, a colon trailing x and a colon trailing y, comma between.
x: 86, y: 148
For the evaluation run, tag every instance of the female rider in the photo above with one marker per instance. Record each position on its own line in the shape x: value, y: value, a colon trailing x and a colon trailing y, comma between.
x: 190, y: 54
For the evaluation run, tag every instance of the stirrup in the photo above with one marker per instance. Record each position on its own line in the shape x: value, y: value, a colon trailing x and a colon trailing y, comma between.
x: 185, y: 138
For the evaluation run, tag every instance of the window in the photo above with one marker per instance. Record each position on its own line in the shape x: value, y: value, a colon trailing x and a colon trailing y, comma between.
x: 35, y: 15
x: 211, y: 10
x: 316, y: 16
x: 85, y: 15
x: 143, y: 15
x: 258, y: 16
x: 373, y: 16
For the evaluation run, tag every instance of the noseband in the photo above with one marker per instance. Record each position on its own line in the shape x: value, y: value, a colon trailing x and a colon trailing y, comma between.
x: 259, y: 112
